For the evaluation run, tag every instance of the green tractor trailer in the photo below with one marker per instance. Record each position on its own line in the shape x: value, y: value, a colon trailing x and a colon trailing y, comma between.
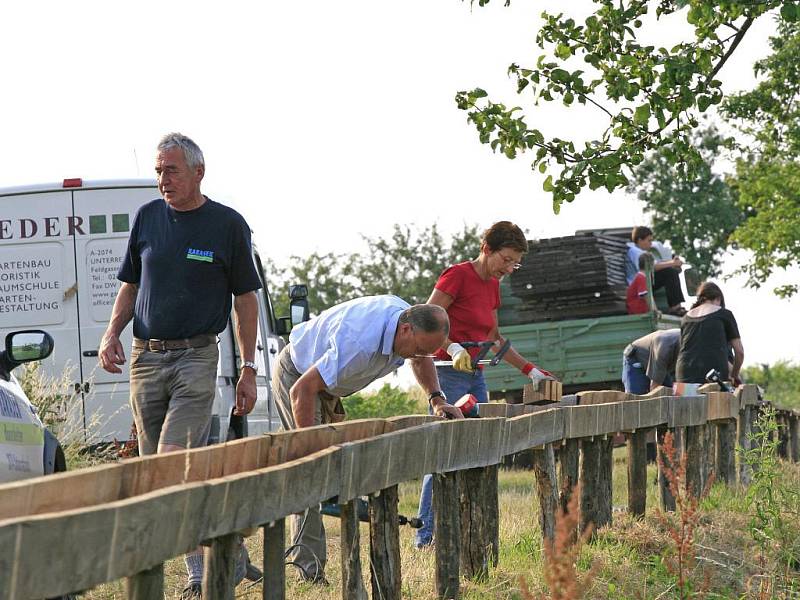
x: 564, y: 309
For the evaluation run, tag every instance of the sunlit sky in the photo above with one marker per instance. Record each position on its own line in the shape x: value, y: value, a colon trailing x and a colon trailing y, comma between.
x: 319, y: 120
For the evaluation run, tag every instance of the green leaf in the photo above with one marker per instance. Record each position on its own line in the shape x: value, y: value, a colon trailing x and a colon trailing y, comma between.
x: 547, y: 186
x: 479, y: 93
x: 789, y: 12
x: 542, y: 167
x: 642, y: 115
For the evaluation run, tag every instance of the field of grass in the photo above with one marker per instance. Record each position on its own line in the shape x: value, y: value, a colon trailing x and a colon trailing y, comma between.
x: 629, y: 556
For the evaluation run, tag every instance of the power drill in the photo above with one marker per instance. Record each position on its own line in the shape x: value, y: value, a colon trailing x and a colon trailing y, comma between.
x: 713, y: 376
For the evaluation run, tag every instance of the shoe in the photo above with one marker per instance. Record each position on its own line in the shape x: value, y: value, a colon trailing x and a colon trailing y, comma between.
x: 193, y: 591
x: 317, y: 579
x: 252, y: 572
x: 678, y: 311
x: 423, y: 544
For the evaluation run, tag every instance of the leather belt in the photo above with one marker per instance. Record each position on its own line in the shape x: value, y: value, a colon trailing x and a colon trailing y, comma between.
x: 197, y: 341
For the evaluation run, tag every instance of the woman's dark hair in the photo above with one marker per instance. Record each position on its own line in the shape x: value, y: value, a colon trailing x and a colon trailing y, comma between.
x: 504, y: 234
x: 708, y: 291
x: 640, y: 232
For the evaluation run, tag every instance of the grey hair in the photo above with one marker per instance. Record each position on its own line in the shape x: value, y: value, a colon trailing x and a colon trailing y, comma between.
x: 191, y: 151
x: 428, y: 318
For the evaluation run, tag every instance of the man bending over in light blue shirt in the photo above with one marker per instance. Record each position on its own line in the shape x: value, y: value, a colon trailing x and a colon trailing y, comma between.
x: 338, y: 353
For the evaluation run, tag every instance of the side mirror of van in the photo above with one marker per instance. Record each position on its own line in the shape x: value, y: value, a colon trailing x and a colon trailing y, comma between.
x: 298, y: 304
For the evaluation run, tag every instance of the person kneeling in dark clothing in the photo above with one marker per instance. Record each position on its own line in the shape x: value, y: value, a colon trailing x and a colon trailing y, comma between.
x: 665, y: 272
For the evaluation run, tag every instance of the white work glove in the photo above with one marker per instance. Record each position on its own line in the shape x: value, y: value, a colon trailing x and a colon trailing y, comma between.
x: 538, y: 375
x: 462, y: 361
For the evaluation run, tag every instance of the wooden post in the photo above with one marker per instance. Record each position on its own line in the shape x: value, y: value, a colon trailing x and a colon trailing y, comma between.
x: 637, y: 472
x: 544, y: 468
x: 755, y: 429
x: 569, y: 459
x: 783, y: 434
x: 352, y: 580
x: 146, y: 584
x: 384, y: 544
x: 726, y: 452
x: 595, y: 477
x: 665, y: 495
x: 220, y: 562
x: 794, y: 438
x: 745, y: 472
x: 274, y: 585
x: 695, y: 460
x: 447, y: 533
x: 480, y: 521
x: 698, y: 467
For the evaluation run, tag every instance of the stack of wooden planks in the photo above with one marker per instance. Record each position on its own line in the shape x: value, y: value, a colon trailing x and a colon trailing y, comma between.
x: 571, y: 277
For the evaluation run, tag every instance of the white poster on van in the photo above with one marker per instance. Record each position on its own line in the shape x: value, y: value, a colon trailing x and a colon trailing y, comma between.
x: 103, y: 260
x: 30, y: 285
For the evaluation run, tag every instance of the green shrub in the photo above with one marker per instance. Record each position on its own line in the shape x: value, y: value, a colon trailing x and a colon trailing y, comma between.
x: 389, y: 401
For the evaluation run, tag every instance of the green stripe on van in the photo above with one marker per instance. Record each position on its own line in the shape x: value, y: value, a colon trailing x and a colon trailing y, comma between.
x: 202, y: 258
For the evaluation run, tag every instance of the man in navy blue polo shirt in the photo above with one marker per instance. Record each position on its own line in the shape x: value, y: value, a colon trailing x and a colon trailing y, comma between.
x: 189, y: 260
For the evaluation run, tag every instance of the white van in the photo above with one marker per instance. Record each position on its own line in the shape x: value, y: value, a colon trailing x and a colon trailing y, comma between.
x: 60, y: 249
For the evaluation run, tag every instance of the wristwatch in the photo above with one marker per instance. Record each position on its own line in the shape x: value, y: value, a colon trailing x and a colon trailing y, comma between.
x: 436, y: 394
x: 251, y: 364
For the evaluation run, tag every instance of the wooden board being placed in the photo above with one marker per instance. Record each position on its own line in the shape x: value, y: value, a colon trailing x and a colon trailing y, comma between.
x: 602, y: 397
x: 549, y: 391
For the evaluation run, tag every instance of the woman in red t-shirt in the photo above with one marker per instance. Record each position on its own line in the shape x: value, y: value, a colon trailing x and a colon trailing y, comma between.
x: 470, y: 293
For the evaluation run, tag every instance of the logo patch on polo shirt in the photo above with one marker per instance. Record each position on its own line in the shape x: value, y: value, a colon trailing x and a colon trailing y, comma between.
x: 202, y: 255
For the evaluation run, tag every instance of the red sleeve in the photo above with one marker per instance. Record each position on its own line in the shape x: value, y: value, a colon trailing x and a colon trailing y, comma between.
x: 496, y: 294
x: 451, y: 280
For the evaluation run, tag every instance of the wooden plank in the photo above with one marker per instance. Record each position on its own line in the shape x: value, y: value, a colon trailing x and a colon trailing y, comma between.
x: 406, y: 421
x: 602, y: 397
x: 722, y: 406
x: 501, y: 409
x: 535, y: 429
x: 384, y: 545
x: 146, y: 584
x: 405, y: 454
x: 548, y: 391
x: 220, y: 564
x: 688, y: 411
x: 469, y: 443
x: 274, y: 542
x: 480, y: 521
x: 592, y: 420
x: 166, y: 522
x: 726, y: 452
x: 544, y: 469
x: 447, y: 533
x: 352, y: 580
x: 637, y: 472
x: 644, y: 413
